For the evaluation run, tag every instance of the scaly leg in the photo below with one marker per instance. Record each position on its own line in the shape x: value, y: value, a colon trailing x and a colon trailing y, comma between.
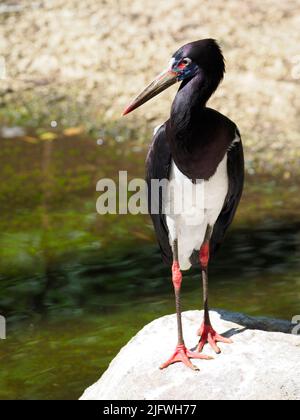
x: 206, y: 332
x: 181, y: 354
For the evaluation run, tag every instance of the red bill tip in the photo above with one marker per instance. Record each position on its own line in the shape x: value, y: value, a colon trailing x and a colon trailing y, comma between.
x: 127, y: 110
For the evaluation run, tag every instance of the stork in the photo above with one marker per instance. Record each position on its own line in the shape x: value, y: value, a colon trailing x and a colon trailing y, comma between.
x: 195, y: 143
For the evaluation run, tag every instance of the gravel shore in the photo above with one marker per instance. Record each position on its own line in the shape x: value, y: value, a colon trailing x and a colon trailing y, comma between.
x: 81, y: 62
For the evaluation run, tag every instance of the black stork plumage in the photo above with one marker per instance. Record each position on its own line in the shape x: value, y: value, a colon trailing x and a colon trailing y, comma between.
x: 196, y: 143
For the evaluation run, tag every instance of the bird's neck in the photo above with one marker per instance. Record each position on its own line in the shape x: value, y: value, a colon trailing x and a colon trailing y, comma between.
x: 189, y: 102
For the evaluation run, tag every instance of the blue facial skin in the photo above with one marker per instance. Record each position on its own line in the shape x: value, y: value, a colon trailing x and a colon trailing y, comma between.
x: 189, y: 71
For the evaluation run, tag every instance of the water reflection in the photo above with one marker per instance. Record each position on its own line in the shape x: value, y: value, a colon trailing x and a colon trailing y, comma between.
x: 73, y: 277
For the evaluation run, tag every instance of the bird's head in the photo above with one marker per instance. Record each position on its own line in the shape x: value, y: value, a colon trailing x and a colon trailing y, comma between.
x: 203, y: 58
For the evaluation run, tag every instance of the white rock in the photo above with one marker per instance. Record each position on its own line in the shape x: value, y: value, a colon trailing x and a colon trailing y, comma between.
x: 259, y: 365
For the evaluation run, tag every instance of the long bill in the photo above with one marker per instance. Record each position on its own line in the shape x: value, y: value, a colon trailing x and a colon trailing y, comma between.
x: 164, y: 80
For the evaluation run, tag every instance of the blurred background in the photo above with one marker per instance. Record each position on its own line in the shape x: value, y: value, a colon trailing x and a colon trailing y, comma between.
x: 75, y: 286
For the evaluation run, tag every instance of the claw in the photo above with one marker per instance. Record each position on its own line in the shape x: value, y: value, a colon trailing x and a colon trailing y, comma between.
x: 182, y: 354
x: 211, y: 340
x: 209, y: 335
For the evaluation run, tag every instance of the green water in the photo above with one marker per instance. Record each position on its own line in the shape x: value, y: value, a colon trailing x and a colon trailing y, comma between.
x: 75, y: 286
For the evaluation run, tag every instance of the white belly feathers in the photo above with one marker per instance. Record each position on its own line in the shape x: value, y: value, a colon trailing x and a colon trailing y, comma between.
x: 196, y: 209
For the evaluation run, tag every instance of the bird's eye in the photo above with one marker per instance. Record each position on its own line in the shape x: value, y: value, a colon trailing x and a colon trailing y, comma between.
x: 186, y: 61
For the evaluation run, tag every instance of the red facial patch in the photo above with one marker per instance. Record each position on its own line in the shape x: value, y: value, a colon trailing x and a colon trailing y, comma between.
x: 181, y: 65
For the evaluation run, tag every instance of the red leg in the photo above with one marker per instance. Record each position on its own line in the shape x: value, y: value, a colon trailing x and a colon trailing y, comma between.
x: 206, y: 332
x: 204, y: 255
x: 181, y: 354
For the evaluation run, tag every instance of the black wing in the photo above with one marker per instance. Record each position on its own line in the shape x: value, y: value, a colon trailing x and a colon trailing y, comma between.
x: 158, y: 165
x: 235, y: 167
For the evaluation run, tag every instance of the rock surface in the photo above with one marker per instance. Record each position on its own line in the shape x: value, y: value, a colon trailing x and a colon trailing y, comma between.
x: 259, y: 365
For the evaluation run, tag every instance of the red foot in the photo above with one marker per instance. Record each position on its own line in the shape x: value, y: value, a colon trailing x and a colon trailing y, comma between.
x: 182, y: 354
x: 209, y: 335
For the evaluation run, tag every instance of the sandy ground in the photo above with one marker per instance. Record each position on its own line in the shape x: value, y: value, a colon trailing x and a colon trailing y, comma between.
x: 96, y: 55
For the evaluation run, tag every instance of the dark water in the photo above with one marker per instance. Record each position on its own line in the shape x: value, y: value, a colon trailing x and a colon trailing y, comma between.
x: 75, y: 286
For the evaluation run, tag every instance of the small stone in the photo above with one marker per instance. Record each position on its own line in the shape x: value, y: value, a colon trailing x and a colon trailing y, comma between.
x: 12, y: 132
